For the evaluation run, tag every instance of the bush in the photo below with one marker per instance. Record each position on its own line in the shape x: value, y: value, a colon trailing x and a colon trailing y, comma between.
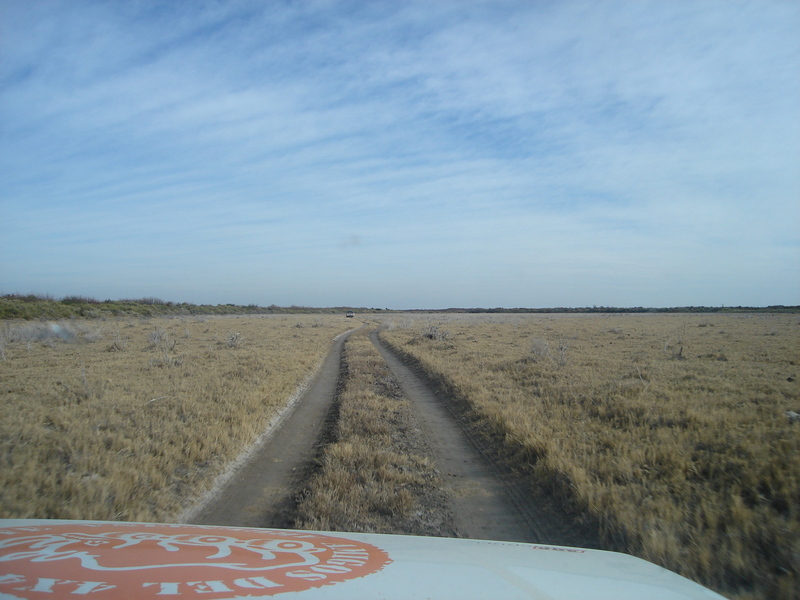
x: 432, y: 332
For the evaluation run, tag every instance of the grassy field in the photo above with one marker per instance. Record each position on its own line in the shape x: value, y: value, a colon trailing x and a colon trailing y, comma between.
x: 671, y: 429
x: 130, y: 419
x: 375, y: 475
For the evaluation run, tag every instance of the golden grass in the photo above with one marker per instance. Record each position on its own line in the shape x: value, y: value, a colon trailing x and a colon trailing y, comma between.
x: 132, y: 419
x: 671, y: 429
x: 375, y: 475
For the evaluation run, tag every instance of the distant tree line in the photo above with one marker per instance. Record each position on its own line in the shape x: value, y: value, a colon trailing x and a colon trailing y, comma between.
x: 43, y: 306
x: 617, y: 309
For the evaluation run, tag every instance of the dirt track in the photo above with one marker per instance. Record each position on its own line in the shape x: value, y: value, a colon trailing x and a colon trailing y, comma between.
x: 488, y: 501
x: 261, y: 492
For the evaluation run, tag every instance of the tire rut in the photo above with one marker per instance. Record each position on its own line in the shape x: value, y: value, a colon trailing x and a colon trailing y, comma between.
x: 491, y: 500
x: 484, y: 506
x: 262, y: 490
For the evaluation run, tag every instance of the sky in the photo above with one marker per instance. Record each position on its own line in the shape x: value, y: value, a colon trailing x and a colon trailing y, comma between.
x: 401, y: 154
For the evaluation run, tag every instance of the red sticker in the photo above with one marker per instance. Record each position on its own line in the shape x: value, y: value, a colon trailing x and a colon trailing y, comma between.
x: 120, y: 560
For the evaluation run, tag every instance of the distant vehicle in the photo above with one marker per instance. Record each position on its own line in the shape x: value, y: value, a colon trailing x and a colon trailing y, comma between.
x: 50, y: 559
x: 350, y: 313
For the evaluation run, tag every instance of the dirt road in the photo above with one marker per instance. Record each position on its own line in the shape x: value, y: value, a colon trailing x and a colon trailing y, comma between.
x: 261, y: 491
x: 488, y: 501
x: 482, y: 505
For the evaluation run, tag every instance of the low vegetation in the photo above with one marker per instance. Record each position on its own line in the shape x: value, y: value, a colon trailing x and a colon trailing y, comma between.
x: 35, y: 306
x: 130, y: 419
x: 42, y: 306
x: 375, y: 475
x: 672, y: 430
x: 677, y: 432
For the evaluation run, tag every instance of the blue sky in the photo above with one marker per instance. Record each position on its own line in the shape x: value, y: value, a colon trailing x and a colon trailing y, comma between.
x: 402, y: 154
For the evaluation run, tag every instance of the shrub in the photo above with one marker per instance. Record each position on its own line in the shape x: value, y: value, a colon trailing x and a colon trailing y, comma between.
x: 432, y: 332
x: 233, y: 339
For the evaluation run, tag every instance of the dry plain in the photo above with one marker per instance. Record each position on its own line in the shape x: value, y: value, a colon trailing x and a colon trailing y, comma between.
x: 670, y: 429
x: 131, y: 419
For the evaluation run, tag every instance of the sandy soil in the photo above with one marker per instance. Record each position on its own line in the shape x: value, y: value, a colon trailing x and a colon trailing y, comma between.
x: 487, y: 500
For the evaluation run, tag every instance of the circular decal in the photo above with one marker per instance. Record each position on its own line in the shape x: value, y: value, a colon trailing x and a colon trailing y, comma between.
x: 120, y: 560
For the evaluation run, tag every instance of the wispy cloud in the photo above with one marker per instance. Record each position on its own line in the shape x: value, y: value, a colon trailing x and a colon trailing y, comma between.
x: 499, y: 153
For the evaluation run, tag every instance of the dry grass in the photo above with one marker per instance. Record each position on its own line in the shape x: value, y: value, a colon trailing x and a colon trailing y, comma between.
x: 669, y: 428
x: 131, y: 419
x: 375, y: 476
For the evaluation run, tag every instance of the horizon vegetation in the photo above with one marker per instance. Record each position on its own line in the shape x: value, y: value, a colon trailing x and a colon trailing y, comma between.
x: 45, y: 306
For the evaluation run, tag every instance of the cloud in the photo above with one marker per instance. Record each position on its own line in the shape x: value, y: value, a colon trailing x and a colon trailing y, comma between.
x: 609, y: 149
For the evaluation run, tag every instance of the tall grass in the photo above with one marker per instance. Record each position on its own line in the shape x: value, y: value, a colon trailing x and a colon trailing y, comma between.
x: 671, y: 429
x: 130, y: 419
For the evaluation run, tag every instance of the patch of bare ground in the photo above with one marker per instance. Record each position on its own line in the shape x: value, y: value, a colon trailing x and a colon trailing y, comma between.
x: 375, y: 472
